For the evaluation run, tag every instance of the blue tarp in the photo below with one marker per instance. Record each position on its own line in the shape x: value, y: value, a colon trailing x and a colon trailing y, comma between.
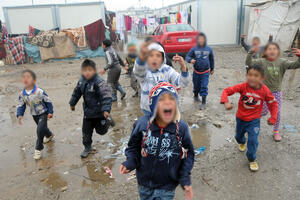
x: 33, y: 51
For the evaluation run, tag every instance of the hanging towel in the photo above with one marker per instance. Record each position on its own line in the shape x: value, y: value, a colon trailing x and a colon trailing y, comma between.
x: 145, y: 21
x: 63, y: 48
x: 95, y: 33
x: 16, y: 48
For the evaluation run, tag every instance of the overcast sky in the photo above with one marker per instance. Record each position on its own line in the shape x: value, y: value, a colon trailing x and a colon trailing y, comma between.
x: 110, y: 4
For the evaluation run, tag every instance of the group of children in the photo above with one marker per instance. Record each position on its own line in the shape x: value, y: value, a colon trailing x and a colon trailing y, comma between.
x: 160, y: 148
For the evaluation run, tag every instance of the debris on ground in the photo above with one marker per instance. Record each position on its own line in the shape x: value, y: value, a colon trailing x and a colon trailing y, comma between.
x: 194, y: 126
x: 132, y: 176
x: 64, y: 189
x: 289, y: 128
x: 217, y: 124
x: 108, y: 171
x: 199, y: 150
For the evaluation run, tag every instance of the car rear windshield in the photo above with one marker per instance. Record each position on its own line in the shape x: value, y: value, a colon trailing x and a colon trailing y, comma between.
x: 179, y: 27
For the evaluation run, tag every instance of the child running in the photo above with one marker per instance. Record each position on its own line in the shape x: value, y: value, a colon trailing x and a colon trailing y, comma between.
x: 129, y: 64
x: 253, y: 93
x: 275, y: 68
x: 150, y: 68
x: 97, y: 103
x: 160, y: 148
x: 114, y: 70
x: 202, y: 57
x: 41, y: 110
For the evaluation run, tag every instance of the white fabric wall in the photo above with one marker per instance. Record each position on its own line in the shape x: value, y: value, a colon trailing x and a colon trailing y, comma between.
x: 280, y: 19
x: 219, y: 21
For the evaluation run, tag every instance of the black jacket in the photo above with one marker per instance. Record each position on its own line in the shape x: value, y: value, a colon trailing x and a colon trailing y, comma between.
x: 96, y: 94
x: 163, y: 168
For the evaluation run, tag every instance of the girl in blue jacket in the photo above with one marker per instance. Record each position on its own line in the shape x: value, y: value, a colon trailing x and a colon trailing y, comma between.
x: 160, y: 148
x: 202, y: 57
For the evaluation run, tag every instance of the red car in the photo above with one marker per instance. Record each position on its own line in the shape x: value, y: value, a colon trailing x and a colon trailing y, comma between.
x: 176, y: 38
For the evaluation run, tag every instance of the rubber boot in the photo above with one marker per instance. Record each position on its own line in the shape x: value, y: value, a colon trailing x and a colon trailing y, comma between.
x: 203, y: 104
x: 114, y: 97
x: 86, y: 152
x: 123, y: 93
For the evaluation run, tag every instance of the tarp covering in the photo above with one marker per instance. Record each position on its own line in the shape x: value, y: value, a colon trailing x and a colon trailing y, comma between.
x: 32, y: 51
x: 278, y: 18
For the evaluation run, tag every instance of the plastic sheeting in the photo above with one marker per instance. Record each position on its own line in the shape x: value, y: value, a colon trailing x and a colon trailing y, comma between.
x: 278, y: 18
x: 32, y: 51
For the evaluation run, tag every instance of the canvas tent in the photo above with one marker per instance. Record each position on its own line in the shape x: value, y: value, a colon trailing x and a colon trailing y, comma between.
x: 278, y: 18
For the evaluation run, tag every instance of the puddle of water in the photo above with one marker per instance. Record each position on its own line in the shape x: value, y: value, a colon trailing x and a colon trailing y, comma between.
x: 54, y: 181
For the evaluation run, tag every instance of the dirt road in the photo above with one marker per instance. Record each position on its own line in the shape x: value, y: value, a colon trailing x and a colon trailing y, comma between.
x: 221, y: 172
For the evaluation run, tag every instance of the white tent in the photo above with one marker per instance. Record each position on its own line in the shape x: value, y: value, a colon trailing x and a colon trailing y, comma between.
x: 278, y: 18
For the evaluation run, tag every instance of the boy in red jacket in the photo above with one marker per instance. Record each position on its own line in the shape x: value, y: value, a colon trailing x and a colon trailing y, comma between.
x: 253, y: 93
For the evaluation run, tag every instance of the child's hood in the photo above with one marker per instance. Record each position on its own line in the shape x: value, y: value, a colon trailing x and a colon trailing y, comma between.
x: 156, y: 92
x: 157, y: 47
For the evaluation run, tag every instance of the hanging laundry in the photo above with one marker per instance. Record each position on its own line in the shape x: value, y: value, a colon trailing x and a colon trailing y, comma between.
x: 145, y: 21
x: 32, y: 51
x: 178, y: 17
x: 63, y: 48
x: 77, y: 35
x: 169, y: 19
x: 95, y: 33
x: 189, y: 12
x: 2, y: 50
x: 8, y: 59
x: 2, y: 47
x: 33, y: 31
x: 128, y: 23
x: 163, y: 20
x: 114, y: 24
x: 184, y: 16
x: 16, y: 48
x: 42, y: 39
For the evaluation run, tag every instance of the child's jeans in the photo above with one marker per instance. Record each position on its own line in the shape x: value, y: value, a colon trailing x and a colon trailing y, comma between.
x: 155, y: 194
x: 278, y: 97
x: 252, y: 128
x: 42, y: 130
x: 200, y: 82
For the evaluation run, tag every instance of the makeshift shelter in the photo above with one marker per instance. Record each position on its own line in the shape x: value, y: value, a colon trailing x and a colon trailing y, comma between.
x: 278, y: 18
x: 53, y: 32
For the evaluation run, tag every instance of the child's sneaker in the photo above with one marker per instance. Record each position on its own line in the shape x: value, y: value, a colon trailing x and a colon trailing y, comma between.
x: 242, y: 147
x: 46, y: 140
x: 86, y: 152
x: 37, y: 154
x: 276, y: 136
x: 253, y: 166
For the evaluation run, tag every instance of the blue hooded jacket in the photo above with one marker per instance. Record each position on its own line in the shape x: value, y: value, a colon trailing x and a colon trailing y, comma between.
x: 204, y: 57
x: 163, y: 167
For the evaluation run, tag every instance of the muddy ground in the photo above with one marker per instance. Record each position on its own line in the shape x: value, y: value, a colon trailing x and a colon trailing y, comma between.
x: 221, y: 172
